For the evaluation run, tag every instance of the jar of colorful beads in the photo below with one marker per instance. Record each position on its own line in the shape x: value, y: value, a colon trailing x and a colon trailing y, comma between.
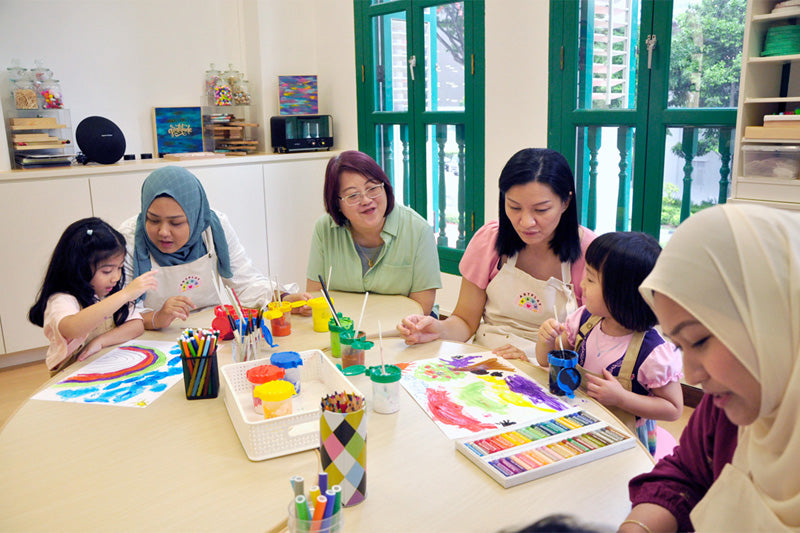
x: 50, y: 92
x: 241, y: 93
x: 212, y: 76
x: 223, y: 95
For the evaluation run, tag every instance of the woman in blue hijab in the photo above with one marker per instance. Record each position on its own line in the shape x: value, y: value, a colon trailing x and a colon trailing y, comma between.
x: 192, y: 247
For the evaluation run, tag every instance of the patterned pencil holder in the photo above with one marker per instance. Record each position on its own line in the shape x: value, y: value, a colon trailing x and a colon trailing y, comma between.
x: 343, y: 450
x: 200, y: 376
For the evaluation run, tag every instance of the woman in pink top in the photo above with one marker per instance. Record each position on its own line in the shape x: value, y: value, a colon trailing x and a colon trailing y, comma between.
x: 518, y: 270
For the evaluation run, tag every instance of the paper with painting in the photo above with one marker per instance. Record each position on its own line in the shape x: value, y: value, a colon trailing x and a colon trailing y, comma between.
x: 133, y: 374
x: 467, y: 394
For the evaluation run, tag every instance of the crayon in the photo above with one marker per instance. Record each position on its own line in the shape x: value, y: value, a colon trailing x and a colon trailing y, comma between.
x: 578, y: 445
x: 519, y: 462
x: 517, y: 438
x: 592, y: 437
x: 561, y: 427
x: 585, y: 442
x: 572, y: 446
x: 542, y: 458
x: 529, y: 433
x: 477, y: 450
x: 553, y: 456
x: 542, y: 427
x: 511, y: 465
x: 540, y: 433
x: 528, y: 460
x: 503, y: 442
x: 567, y: 422
x: 503, y: 470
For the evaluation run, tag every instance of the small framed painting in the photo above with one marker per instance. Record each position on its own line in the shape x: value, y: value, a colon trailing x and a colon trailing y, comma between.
x: 297, y: 95
x: 177, y: 130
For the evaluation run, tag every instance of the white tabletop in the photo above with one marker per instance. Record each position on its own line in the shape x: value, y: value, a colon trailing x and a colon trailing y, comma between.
x: 178, y: 465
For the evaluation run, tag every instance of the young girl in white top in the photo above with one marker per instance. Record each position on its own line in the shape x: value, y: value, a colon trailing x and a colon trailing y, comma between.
x: 82, y: 304
x: 625, y: 364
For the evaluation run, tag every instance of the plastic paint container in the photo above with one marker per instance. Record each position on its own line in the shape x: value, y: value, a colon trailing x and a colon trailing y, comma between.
x: 564, y: 377
x: 336, y: 331
x: 353, y: 350
x: 259, y: 375
x: 281, y: 325
x: 357, y: 374
x: 385, y: 388
x: 320, y: 313
x: 276, y: 398
x: 290, y: 362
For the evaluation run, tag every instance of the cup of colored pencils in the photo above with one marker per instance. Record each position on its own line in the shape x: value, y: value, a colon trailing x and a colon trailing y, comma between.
x: 199, y: 359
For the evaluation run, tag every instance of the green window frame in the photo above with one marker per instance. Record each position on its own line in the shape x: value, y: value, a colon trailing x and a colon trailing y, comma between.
x: 426, y: 151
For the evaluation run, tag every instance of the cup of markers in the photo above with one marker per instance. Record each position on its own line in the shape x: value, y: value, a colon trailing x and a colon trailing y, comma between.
x: 318, y: 511
x: 199, y: 360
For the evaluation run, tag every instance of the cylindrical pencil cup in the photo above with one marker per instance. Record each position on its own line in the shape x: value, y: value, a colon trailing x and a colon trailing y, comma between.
x: 343, y: 452
x: 354, y: 349
x: 200, y: 376
x: 299, y: 524
x: 564, y: 376
x: 320, y: 313
x: 385, y: 388
x: 259, y: 375
x: 276, y: 398
x: 290, y: 362
x: 345, y: 324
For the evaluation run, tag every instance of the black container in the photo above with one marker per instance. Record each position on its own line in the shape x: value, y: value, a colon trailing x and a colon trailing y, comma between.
x: 200, y: 376
x: 564, y: 376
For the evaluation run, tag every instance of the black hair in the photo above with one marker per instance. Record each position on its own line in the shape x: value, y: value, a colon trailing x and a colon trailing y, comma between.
x: 557, y: 523
x: 550, y: 168
x: 82, y: 246
x: 623, y: 259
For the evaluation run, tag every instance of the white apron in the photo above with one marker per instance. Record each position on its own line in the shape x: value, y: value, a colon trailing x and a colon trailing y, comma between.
x: 197, y: 280
x: 517, y: 304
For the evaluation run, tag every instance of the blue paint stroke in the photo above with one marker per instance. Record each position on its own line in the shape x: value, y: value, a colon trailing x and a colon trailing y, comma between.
x: 77, y: 393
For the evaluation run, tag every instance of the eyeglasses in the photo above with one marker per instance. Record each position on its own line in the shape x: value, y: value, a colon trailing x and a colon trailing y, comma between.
x: 355, y: 198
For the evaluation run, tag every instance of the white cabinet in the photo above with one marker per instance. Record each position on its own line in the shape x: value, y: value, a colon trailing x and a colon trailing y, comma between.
x: 293, y: 191
x: 33, y: 214
x: 769, y: 85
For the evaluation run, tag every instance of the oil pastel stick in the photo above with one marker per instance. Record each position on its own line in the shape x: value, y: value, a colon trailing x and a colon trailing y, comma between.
x: 527, y: 459
x: 553, y: 456
x: 567, y: 422
x: 572, y: 446
x: 477, y: 450
x: 519, y: 463
x: 538, y: 456
x: 586, y: 442
x: 597, y: 442
x: 502, y: 468
x: 511, y: 465
x: 529, y: 433
x: 578, y: 445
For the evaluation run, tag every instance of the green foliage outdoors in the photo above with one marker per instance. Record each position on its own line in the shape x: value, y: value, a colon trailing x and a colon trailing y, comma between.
x: 671, y: 206
x: 706, y: 61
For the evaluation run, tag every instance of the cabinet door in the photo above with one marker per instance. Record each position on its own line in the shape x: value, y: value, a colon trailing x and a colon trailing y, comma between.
x: 294, y: 202
x: 33, y: 216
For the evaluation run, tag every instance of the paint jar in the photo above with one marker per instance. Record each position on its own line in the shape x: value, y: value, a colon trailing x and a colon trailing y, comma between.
x: 564, y: 376
x: 354, y: 349
x: 320, y: 313
x: 385, y: 388
x: 336, y: 331
x: 290, y: 362
x: 298, y: 524
x: 357, y: 374
x: 276, y: 398
x: 281, y: 324
x: 259, y: 375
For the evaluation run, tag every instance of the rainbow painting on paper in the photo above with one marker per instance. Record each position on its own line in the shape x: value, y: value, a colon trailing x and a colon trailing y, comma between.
x: 133, y: 374
x: 297, y: 95
x: 467, y: 394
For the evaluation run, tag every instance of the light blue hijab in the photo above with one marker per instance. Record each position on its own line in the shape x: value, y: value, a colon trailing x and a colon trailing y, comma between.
x: 183, y: 187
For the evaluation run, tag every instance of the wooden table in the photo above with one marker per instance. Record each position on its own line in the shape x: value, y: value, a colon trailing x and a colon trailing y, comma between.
x: 178, y: 465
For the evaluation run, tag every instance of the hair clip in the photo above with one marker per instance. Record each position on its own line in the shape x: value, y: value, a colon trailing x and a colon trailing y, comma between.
x: 89, y: 231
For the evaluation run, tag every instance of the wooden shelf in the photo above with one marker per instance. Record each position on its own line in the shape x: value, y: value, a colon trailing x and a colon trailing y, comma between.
x: 31, y: 128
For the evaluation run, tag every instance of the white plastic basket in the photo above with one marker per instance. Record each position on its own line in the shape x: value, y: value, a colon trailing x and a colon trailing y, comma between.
x: 265, y: 439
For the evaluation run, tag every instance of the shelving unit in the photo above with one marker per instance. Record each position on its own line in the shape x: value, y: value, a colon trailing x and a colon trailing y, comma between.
x: 769, y: 85
x: 229, y: 130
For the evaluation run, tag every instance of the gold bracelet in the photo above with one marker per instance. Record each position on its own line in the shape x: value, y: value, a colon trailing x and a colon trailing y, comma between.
x: 637, y: 523
x: 153, y: 324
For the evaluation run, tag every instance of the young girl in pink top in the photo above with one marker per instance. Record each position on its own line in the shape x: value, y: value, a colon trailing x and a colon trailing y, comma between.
x: 82, y: 304
x: 625, y: 364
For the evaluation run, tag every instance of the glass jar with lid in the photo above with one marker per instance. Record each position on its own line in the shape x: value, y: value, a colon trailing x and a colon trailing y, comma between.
x: 24, y: 93
x: 40, y: 74
x: 232, y: 76
x: 241, y: 94
x: 223, y: 95
x: 212, y: 77
x: 50, y: 92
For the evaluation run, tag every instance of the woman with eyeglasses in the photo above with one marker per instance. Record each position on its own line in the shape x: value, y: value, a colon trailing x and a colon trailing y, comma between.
x: 368, y: 242
x: 520, y: 270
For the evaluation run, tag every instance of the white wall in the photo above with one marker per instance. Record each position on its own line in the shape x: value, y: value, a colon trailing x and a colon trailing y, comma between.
x: 119, y: 58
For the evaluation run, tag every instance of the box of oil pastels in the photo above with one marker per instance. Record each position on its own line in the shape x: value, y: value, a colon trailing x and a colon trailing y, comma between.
x: 555, y: 442
x: 296, y: 432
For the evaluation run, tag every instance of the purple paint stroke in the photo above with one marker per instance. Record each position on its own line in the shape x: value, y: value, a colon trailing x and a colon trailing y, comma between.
x: 461, y: 361
x: 532, y: 390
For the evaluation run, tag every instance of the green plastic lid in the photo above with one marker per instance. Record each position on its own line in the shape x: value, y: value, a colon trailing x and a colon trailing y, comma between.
x: 347, y: 324
x: 354, y: 370
x: 385, y: 373
x: 357, y: 344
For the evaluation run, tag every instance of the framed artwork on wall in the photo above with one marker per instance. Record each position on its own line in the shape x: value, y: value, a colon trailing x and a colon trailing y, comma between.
x: 177, y: 130
x: 297, y: 95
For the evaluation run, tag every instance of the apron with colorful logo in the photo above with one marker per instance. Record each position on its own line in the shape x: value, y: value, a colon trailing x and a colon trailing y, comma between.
x: 197, y: 280
x: 517, y: 304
